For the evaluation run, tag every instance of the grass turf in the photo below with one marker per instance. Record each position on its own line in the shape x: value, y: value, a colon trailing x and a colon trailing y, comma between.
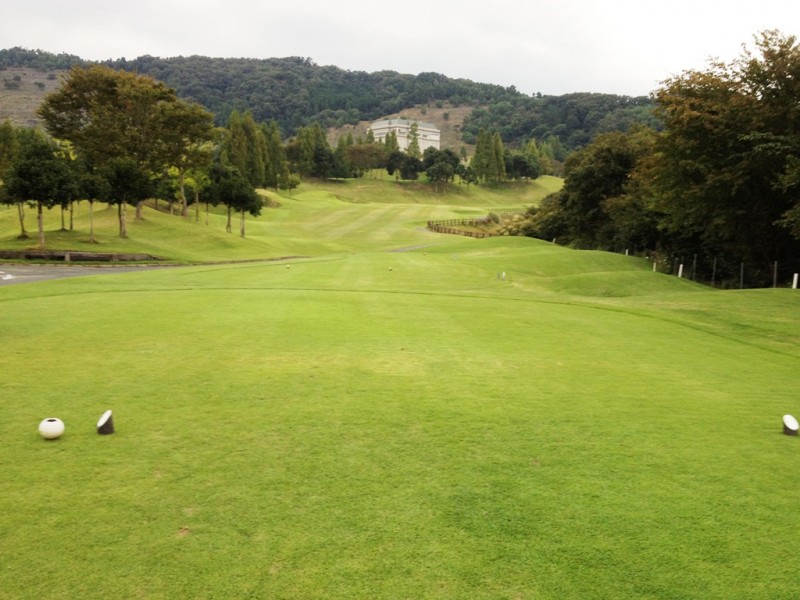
x: 583, y: 428
x: 315, y: 219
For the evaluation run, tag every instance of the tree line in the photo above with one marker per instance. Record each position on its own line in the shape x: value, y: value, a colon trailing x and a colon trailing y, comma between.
x: 256, y: 150
x: 120, y: 139
x: 718, y: 185
x: 115, y: 137
x: 295, y: 93
x: 717, y: 182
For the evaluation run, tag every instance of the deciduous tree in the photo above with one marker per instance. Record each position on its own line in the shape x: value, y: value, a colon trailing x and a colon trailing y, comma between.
x: 118, y: 123
x: 732, y: 136
x: 126, y: 183
x: 186, y: 136
x: 229, y: 187
x: 41, y: 174
x: 364, y: 157
x: 603, y: 204
x: 10, y: 138
x: 440, y: 166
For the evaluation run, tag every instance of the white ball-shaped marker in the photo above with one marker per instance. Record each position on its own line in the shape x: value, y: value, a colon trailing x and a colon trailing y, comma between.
x: 51, y: 428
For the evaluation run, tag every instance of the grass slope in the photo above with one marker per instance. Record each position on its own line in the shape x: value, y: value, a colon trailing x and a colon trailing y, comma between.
x: 365, y: 423
x: 315, y: 219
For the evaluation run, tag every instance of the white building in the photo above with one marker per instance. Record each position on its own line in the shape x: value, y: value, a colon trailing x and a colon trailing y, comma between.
x: 427, y: 133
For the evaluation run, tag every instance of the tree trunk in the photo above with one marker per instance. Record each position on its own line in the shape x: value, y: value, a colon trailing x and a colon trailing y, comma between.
x: 206, y: 213
x: 197, y: 206
x: 63, y: 221
x: 123, y: 225
x: 241, y: 226
x: 23, y: 235
x: 228, y: 226
x: 184, y: 205
x: 91, y: 222
x: 71, y: 216
x: 139, y: 206
x: 40, y: 218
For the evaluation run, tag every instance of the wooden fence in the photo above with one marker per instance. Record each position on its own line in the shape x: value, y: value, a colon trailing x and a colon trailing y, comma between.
x: 452, y: 226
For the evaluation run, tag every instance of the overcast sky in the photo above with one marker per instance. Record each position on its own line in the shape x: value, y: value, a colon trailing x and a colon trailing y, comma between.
x: 552, y: 47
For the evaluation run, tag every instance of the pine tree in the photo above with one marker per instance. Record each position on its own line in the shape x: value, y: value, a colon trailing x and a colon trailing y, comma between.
x: 481, y: 161
x: 235, y: 147
x: 391, y: 143
x: 498, y: 159
x: 538, y: 155
x: 246, y: 148
x: 315, y: 157
x: 343, y: 164
x: 277, y: 166
x: 413, y: 141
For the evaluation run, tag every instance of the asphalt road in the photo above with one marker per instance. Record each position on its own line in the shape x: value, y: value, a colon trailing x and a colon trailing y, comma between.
x: 11, y: 274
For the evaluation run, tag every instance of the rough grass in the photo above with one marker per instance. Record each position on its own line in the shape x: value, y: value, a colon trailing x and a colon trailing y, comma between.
x: 374, y: 424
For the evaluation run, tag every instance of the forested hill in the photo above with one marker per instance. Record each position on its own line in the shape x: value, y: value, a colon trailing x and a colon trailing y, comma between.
x: 295, y: 92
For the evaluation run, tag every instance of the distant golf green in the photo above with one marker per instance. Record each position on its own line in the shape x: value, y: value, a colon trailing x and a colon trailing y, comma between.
x: 371, y: 410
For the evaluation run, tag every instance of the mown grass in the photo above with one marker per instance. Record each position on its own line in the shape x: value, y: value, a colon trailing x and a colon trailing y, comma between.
x: 313, y: 220
x: 364, y: 423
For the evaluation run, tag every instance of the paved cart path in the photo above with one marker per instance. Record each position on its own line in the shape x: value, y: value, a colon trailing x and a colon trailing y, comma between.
x: 11, y: 274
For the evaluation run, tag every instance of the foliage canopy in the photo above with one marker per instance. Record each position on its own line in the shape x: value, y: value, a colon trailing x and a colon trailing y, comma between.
x: 721, y: 181
x: 295, y: 92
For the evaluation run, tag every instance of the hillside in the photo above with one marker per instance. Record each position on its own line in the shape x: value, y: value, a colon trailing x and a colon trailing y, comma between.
x: 296, y: 92
x: 449, y: 119
x: 23, y: 89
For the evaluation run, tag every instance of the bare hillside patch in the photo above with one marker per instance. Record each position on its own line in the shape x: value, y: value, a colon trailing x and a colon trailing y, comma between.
x: 449, y: 120
x: 21, y: 92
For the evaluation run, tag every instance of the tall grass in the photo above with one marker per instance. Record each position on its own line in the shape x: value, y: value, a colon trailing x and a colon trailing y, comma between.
x: 365, y: 423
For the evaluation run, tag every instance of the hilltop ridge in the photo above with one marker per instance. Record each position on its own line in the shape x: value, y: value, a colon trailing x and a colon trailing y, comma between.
x: 295, y: 91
